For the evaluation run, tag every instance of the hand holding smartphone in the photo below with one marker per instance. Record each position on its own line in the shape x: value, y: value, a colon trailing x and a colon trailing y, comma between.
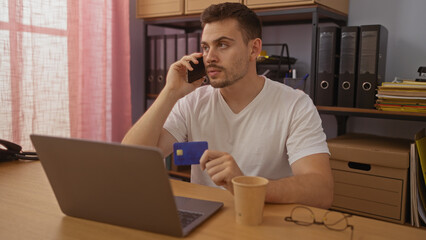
x: 198, y: 72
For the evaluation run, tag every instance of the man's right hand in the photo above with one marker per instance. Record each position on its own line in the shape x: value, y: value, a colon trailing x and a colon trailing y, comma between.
x: 176, y: 81
x: 221, y: 167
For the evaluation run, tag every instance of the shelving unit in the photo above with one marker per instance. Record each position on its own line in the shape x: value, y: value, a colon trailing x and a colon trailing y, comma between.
x: 313, y: 14
x: 277, y: 61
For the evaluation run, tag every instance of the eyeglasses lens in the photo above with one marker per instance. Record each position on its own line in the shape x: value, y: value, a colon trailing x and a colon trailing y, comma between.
x: 302, y: 216
x: 335, y: 221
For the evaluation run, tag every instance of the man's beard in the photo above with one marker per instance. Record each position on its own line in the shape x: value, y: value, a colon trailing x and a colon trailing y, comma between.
x: 229, y: 79
x: 226, y: 82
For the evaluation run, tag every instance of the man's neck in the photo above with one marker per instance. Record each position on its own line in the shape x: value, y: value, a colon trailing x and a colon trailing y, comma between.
x: 242, y: 93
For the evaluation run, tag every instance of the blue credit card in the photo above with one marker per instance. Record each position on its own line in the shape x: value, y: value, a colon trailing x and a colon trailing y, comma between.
x: 188, y: 153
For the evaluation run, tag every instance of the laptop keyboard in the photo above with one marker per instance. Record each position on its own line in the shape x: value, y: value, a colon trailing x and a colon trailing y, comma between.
x: 187, y: 217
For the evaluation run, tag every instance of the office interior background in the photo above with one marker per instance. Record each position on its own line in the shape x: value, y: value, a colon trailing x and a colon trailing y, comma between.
x: 406, y: 51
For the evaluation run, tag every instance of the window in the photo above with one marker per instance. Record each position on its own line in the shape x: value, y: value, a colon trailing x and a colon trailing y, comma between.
x: 64, y: 69
x: 33, y: 69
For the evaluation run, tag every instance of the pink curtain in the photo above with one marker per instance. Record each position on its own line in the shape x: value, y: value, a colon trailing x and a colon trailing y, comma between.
x: 64, y: 69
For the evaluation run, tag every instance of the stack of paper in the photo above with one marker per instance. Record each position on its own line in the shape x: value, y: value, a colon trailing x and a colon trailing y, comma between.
x: 418, y: 179
x: 403, y: 96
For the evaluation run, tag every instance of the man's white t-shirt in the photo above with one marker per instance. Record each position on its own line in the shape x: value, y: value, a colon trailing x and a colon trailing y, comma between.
x: 280, y: 126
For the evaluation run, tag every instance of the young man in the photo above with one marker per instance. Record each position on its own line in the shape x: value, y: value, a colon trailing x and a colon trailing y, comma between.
x: 253, y: 125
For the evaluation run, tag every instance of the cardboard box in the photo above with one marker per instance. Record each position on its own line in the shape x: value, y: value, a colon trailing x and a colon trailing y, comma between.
x: 370, y: 175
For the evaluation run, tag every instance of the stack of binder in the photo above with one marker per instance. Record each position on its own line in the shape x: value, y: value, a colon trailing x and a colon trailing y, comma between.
x: 351, y: 63
x: 402, y: 96
x: 328, y: 56
x: 348, y: 66
x: 371, y: 63
x: 163, y: 51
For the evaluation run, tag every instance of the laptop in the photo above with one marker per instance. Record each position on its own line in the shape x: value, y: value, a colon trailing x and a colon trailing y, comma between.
x: 118, y: 184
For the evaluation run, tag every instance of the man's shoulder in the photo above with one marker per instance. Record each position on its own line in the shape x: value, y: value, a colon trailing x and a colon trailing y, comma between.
x: 284, y: 91
x: 200, y: 94
x: 202, y: 91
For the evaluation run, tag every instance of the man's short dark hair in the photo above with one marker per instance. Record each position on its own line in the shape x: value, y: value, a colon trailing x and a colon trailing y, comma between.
x: 249, y: 22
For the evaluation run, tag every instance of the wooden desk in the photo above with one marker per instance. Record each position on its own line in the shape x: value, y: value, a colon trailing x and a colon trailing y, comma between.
x: 28, y: 210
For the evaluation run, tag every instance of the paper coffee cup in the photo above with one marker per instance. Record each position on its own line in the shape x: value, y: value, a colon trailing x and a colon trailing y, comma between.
x: 249, y: 199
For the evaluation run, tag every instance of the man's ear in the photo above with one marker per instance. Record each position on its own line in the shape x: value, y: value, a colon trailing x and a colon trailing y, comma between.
x: 256, y: 48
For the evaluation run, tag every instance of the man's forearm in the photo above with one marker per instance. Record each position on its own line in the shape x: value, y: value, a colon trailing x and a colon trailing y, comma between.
x: 311, y: 189
x: 147, y: 130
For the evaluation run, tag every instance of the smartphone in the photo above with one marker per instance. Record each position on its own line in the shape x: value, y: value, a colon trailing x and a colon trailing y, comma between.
x: 198, y: 72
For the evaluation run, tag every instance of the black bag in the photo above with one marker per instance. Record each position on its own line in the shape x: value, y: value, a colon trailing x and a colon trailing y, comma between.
x: 11, y: 151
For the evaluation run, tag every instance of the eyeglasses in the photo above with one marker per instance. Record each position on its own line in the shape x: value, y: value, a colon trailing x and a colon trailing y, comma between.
x: 335, y: 221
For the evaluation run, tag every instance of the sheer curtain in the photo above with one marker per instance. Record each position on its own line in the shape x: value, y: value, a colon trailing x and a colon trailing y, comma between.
x: 64, y: 69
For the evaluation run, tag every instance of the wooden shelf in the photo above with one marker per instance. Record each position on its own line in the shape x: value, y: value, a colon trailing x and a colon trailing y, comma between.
x: 343, y: 113
x: 152, y: 96
x: 269, y: 16
x: 184, y: 175
x: 371, y: 113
